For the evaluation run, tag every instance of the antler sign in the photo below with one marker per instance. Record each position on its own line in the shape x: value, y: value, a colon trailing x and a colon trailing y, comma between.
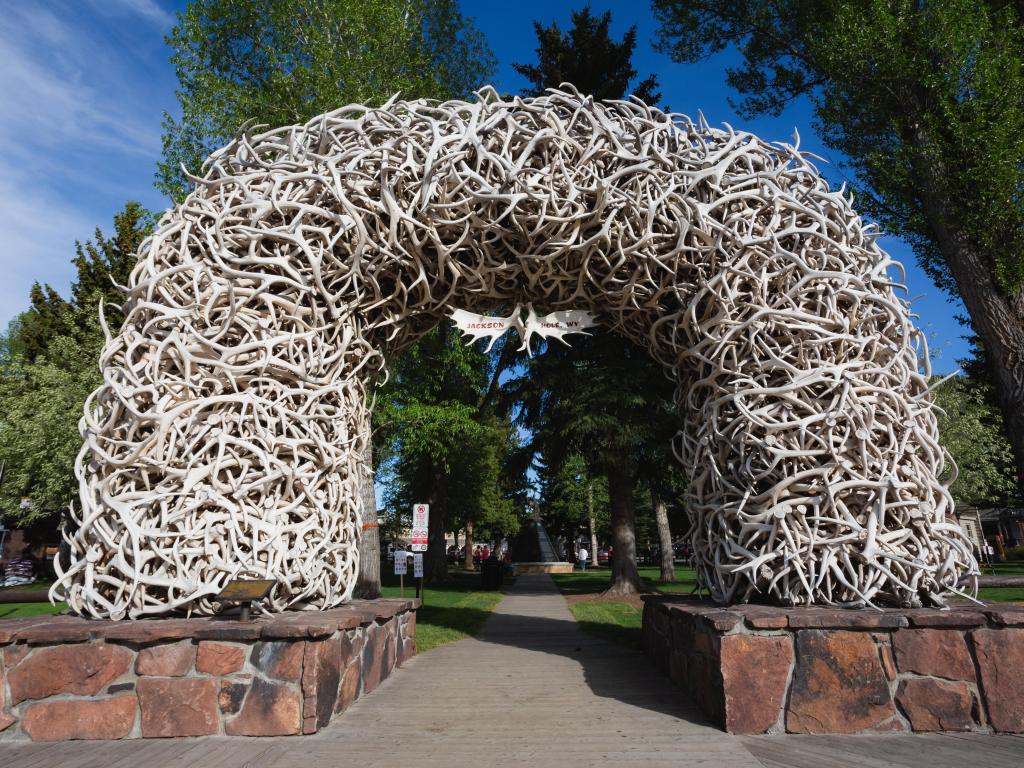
x: 554, y: 325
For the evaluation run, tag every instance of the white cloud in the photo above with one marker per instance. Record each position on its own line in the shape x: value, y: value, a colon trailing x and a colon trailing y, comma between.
x: 148, y: 9
x: 81, y: 100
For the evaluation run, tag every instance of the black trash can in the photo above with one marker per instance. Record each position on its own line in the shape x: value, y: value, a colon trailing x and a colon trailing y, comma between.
x: 491, y: 574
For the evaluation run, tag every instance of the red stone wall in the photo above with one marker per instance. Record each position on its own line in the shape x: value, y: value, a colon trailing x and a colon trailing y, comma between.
x: 68, y: 678
x: 757, y: 669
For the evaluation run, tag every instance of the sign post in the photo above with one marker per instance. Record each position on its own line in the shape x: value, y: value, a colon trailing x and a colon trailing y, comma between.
x: 420, y: 536
x: 401, y: 568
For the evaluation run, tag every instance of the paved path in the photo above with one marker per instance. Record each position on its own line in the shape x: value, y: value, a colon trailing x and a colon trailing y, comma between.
x: 532, y: 689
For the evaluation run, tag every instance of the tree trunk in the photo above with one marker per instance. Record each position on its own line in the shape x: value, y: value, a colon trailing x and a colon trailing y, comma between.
x: 997, y: 317
x: 368, y: 581
x: 668, y: 566
x: 625, y: 577
x: 467, y: 562
x: 435, y: 560
x: 590, y: 515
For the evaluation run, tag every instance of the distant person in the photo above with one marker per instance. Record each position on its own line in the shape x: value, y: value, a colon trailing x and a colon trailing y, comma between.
x: 583, y: 557
x: 486, y: 553
x: 20, y: 570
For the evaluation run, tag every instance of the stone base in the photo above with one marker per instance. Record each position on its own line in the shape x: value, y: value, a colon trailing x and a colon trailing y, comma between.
x: 521, y: 568
x: 757, y: 669
x: 63, y: 677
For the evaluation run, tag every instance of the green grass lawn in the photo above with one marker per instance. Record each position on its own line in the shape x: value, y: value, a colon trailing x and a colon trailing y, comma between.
x: 614, y: 621
x: 596, y: 580
x: 451, y: 611
x: 19, y: 610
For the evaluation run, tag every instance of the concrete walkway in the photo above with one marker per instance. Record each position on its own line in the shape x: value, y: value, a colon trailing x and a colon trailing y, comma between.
x: 531, y: 689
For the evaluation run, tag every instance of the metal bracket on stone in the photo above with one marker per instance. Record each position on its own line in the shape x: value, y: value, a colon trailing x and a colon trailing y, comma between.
x: 246, y: 592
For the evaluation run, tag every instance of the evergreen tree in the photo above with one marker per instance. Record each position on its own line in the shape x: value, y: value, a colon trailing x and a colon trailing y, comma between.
x: 604, y: 398
x: 589, y: 58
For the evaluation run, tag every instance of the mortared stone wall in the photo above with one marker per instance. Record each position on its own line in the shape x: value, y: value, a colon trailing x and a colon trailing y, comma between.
x: 759, y: 669
x: 63, y: 677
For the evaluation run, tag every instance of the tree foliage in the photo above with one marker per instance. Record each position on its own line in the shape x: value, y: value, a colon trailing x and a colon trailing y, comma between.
x: 441, y: 444
x: 48, y: 368
x: 970, y: 429
x: 588, y: 57
x: 282, y: 63
x: 926, y: 102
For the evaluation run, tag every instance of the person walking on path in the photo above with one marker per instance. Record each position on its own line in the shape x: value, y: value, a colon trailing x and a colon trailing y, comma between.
x: 583, y: 555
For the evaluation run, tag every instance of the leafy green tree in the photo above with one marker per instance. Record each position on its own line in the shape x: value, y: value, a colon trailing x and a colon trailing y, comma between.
x: 588, y: 57
x: 926, y: 101
x: 279, y: 63
x: 48, y: 368
x: 573, y: 500
x: 445, y: 448
x: 971, y: 430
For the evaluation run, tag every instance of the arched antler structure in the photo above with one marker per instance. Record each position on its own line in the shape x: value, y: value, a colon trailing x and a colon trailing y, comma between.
x: 227, y: 437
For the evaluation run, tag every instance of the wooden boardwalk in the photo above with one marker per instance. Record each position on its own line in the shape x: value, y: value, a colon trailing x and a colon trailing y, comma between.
x: 532, y: 689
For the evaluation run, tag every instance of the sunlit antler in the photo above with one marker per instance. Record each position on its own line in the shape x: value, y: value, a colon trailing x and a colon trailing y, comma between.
x: 227, y: 437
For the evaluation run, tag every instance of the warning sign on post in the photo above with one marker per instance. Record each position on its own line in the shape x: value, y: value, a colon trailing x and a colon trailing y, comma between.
x: 420, y: 525
x: 417, y: 565
x: 401, y: 563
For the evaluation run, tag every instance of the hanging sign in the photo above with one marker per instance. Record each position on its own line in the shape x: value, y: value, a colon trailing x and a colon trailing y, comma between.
x: 554, y: 325
x: 417, y: 565
x: 420, y: 527
x: 401, y: 564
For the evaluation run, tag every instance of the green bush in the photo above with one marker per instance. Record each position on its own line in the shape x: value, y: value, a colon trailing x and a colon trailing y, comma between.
x: 1015, y: 554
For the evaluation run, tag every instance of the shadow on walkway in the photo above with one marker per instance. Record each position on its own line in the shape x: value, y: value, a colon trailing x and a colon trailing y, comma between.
x: 535, y: 617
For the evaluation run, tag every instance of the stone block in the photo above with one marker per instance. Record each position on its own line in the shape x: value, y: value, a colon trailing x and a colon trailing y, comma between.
x: 934, y: 618
x: 755, y: 673
x: 888, y: 663
x: 151, y: 631
x: 328, y: 661
x: 838, y: 684
x: 166, y: 660
x: 269, y: 709
x: 82, y: 670
x: 240, y: 631
x: 178, y: 707
x: 111, y: 718
x: 6, y: 718
x: 13, y: 654
x: 1006, y: 616
x: 59, y: 629
x: 348, y: 690
x: 1000, y: 655
x: 826, y: 618
x: 373, y: 658
x: 281, y: 659
x: 935, y: 652
x: 936, y: 705
x: 232, y: 694
x: 9, y: 628
x: 216, y: 658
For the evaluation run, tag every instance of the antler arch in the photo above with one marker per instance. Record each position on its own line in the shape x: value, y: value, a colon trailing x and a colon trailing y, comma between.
x: 227, y: 437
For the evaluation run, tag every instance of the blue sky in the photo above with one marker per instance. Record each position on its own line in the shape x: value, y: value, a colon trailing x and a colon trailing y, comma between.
x: 85, y: 84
